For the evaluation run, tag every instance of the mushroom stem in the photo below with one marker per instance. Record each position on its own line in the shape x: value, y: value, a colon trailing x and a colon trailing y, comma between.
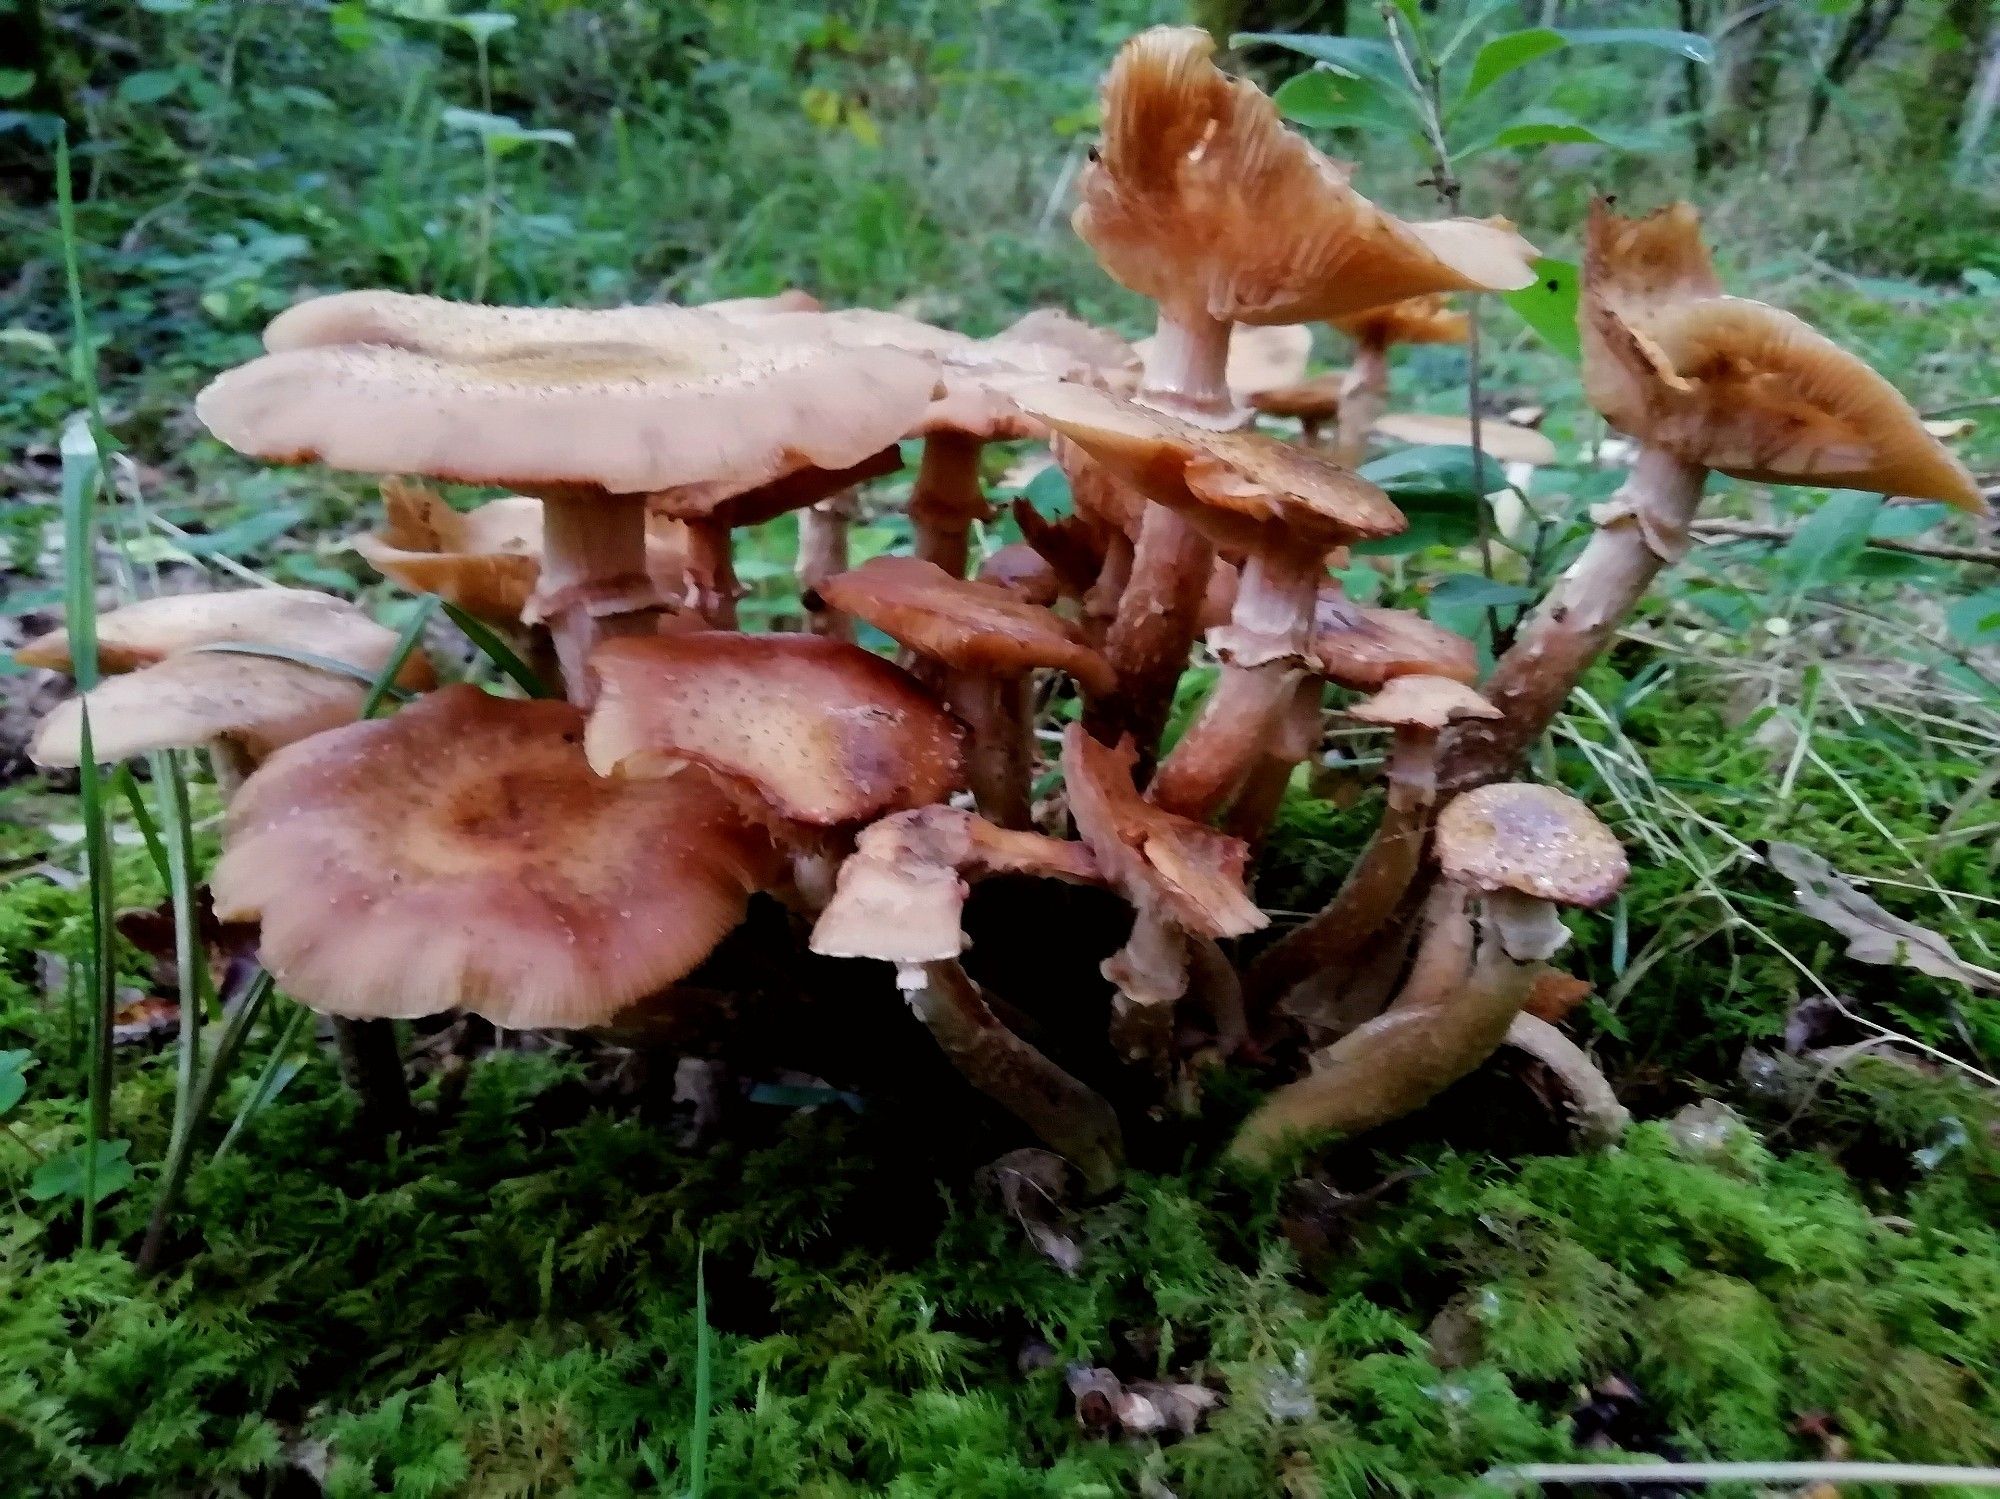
x: 593, y: 572
x: 1364, y: 396
x: 1159, y: 614
x: 1448, y: 1019
x: 999, y: 712
x: 1642, y: 530
x: 230, y: 764
x: 1187, y: 368
x: 711, y: 572
x: 1297, y: 734
x: 1100, y: 603
x: 1069, y: 1117
x: 822, y: 555
x: 1600, y: 1117
x: 1150, y: 973
x: 371, y: 1063
x: 1215, y: 983
x: 1309, y: 432
x: 946, y: 499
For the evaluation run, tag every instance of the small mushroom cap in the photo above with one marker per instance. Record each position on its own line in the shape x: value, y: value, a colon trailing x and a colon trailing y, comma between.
x: 485, y: 561
x: 791, y: 299
x: 1199, y: 198
x: 298, y: 619
x: 461, y: 855
x: 1502, y: 441
x: 1414, y: 320
x: 731, y: 504
x: 1247, y: 490
x: 194, y: 699
x: 1363, y: 647
x: 705, y: 403
x: 1155, y: 858
x: 1023, y: 572
x: 900, y: 895
x: 1318, y: 397
x: 1734, y: 385
x: 1423, y: 702
x: 819, y: 731
x: 968, y: 626
x: 1532, y: 840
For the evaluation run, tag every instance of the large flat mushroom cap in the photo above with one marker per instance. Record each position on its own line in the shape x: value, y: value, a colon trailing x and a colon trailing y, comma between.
x: 1360, y: 646
x: 1200, y: 198
x: 194, y: 699
x: 724, y: 404
x: 1155, y: 858
x: 1737, y: 386
x: 1499, y: 440
x: 464, y: 330
x: 1532, y: 840
x: 462, y: 855
x: 1414, y: 320
x: 1247, y: 490
x: 969, y: 626
x: 819, y: 731
x: 1422, y: 702
x: 299, y: 619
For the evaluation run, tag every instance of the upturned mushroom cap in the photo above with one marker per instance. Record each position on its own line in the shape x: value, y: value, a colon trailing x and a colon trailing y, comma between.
x: 900, y: 895
x: 1363, y: 647
x: 461, y: 855
x: 1155, y: 858
x: 1531, y: 840
x: 485, y: 561
x: 1317, y: 398
x: 1023, y: 572
x: 194, y: 699
x: 702, y: 403
x: 968, y: 626
x: 1414, y: 320
x: 1502, y: 441
x: 1422, y: 702
x: 1246, y: 490
x: 1734, y: 385
x: 1199, y: 198
x: 298, y: 619
x: 819, y: 731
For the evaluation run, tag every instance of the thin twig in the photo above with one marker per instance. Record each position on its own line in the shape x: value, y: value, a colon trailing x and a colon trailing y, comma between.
x: 1745, y: 530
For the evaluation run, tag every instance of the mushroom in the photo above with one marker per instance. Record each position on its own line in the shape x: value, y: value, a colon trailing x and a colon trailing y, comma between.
x: 689, y: 408
x: 1181, y: 877
x: 899, y: 899
x: 461, y: 855
x: 179, y: 683
x: 1703, y: 381
x: 1261, y: 358
x: 823, y: 553
x: 988, y: 643
x: 1023, y: 572
x: 1504, y: 442
x: 1364, y: 391
x: 1312, y: 403
x: 485, y: 561
x: 1508, y: 855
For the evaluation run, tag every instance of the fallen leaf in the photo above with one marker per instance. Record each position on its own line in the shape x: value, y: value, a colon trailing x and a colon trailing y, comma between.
x: 1873, y: 934
x: 1033, y: 1185
x: 1107, y: 1406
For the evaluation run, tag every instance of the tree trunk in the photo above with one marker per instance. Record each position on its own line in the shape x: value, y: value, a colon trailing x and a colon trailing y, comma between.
x: 1863, y: 33
x: 1938, y: 95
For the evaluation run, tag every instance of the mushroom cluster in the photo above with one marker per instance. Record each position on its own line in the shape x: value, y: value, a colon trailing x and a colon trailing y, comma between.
x: 570, y: 861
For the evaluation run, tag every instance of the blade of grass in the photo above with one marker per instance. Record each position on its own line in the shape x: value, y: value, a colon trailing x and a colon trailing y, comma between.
x: 269, y: 1078
x: 317, y: 662
x: 383, y: 685
x: 499, y: 652
x: 697, y: 1461
x: 190, y: 962
x: 135, y: 800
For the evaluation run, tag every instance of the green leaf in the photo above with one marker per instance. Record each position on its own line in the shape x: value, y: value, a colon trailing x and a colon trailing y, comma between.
x: 1434, y: 473
x: 1049, y: 492
x: 149, y: 86
x: 1476, y: 591
x: 14, y: 1067
x: 1327, y: 101
x: 14, y: 82
x: 483, y: 25
x: 1504, y: 54
x: 1688, y: 44
x: 1357, y: 57
x: 1549, y: 306
x: 62, y: 1175
x: 1976, y: 620
x: 499, y: 653
x: 243, y: 536
x: 1909, y: 519
x: 1825, y: 546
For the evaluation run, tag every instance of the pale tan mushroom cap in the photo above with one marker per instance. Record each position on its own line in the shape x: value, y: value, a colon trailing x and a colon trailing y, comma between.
x: 1247, y: 490
x: 1317, y: 397
x: 298, y: 619
x: 1533, y: 840
x: 724, y: 405
x: 468, y: 330
x: 1028, y: 341
x: 195, y: 699
x: 1502, y: 441
x: 461, y: 855
x: 1363, y: 647
x: 900, y: 896
x: 1414, y: 320
x: 819, y: 731
x: 1200, y: 198
x: 968, y: 626
x: 1422, y: 702
x: 1155, y: 858
x: 1734, y: 385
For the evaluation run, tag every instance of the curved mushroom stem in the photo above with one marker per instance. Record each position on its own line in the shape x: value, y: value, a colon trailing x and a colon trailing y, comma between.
x: 230, y: 764
x: 822, y: 555
x: 946, y: 498
x: 1100, y: 604
x: 1450, y: 1017
x: 1000, y: 713
x: 1069, y: 1117
x: 1295, y: 739
x: 1309, y: 432
x: 1364, y: 396
x: 1150, y: 974
x: 371, y: 1063
x: 711, y: 572
x: 1215, y: 983
x: 1187, y: 368
x: 1641, y: 531
x: 593, y: 571
x: 1600, y: 1117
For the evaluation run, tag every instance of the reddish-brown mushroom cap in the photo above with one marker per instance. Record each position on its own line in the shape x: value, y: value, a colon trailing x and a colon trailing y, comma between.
x: 1023, y: 572
x: 819, y: 731
x: 1156, y: 859
x: 1363, y: 647
x: 1530, y: 840
x: 1414, y: 320
x: 1309, y: 400
x: 461, y: 855
x: 1734, y: 385
x: 968, y: 626
x: 1422, y: 702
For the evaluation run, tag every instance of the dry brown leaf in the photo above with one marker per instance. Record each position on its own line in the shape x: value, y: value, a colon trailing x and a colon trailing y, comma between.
x: 1873, y: 934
